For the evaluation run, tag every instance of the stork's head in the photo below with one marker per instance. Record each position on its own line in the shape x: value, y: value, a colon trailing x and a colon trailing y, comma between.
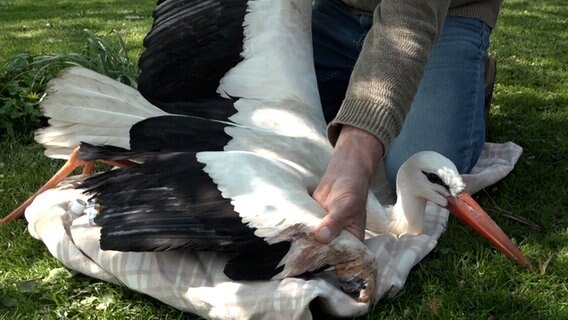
x: 433, y: 177
x: 430, y: 176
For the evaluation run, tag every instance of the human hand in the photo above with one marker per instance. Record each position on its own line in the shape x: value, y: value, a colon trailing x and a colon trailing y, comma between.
x: 344, y: 187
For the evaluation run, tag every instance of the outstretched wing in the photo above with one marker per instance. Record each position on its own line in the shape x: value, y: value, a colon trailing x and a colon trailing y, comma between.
x: 265, y: 46
x: 276, y: 80
x: 276, y: 89
x: 191, y: 45
x: 172, y: 200
x: 276, y: 151
x: 255, y: 54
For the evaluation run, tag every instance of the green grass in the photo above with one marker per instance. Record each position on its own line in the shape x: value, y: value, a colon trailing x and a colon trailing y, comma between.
x: 55, y: 27
x: 463, y: 278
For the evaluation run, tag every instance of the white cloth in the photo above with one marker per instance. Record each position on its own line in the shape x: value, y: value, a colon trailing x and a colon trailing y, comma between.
x: 194, y: 282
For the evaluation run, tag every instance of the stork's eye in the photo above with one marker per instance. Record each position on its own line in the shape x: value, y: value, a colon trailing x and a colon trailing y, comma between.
x: 434, y: 178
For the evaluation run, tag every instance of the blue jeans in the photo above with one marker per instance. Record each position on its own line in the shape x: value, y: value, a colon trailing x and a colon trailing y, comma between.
x: 447, y: 112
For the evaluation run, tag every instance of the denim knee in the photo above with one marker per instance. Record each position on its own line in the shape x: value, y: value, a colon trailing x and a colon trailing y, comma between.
x: 447, y: 112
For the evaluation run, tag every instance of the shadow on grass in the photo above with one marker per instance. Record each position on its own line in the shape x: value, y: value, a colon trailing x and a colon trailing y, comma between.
x: 18, y: 12
x: 41, y: 27
x: 529, y: 43
x: 530, y: 109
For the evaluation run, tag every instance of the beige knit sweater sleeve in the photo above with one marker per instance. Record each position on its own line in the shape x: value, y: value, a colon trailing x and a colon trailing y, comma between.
x: 386, y: 76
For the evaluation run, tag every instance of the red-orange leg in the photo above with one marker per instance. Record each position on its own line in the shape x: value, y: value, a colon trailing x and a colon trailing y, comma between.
x: 73, y: 163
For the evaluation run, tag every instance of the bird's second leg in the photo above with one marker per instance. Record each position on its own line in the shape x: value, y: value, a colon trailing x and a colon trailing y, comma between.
x: 73, y: 163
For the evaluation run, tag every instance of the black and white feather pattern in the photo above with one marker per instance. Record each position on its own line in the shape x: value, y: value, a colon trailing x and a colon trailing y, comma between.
x: 229, y: 172
x: 191, y: 45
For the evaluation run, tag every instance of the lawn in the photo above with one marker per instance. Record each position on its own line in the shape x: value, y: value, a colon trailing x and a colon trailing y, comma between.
x: 463, y: 278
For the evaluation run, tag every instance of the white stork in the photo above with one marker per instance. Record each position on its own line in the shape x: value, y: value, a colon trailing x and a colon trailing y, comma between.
x: 233, y: 173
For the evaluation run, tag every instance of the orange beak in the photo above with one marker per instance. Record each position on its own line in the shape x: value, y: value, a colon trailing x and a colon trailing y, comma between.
x: 470, y: 212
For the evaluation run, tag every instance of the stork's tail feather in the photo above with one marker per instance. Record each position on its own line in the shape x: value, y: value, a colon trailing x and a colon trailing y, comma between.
x: 191, y: 45
x: 84, y: 105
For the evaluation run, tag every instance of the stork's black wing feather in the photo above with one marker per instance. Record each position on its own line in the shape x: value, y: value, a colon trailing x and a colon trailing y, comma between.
x: 89, y: 152
x: 258, y: 265
x: 191, y: 45
x: 168, y: 202
x: 178, y: 133
x: 210, y: 108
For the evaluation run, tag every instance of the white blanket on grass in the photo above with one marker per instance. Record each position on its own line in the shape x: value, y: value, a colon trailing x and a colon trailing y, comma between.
x: 194, y: 282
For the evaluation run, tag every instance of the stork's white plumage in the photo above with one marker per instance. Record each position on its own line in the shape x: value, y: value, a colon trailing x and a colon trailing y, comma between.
x: 273, y: 158
x: 83, y: 105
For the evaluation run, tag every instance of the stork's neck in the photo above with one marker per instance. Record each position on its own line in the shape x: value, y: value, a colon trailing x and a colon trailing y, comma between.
x: 407, y: 215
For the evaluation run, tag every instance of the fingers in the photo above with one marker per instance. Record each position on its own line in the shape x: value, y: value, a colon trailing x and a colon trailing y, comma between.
x: 338, y: 219
x: 327, y: 230
x: 345, y: 202
x: 344, y: 187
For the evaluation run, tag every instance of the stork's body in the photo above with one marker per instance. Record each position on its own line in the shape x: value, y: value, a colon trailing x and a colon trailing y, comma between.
x: 233, y: 173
